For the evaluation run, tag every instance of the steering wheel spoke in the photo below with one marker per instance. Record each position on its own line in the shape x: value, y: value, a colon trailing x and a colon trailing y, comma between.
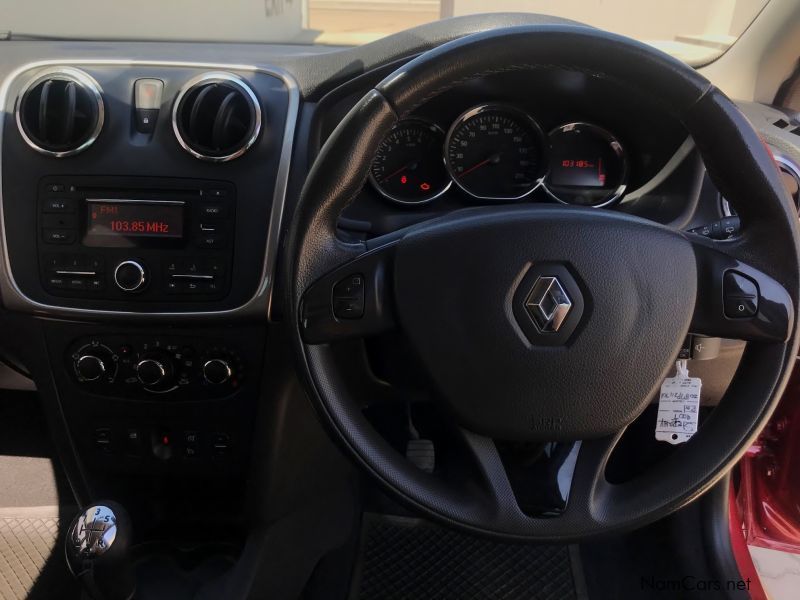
x: 736, y: 300
x: 573, y: 481
x: 353, y: 300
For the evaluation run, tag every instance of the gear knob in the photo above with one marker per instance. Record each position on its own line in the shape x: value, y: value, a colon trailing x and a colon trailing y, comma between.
x: 98, y: 543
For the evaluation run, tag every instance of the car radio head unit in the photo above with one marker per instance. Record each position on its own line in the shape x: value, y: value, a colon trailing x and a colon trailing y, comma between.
x: 156, y: 238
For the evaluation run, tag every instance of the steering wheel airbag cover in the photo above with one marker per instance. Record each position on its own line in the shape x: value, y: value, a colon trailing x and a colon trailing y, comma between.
x: 456, y: 284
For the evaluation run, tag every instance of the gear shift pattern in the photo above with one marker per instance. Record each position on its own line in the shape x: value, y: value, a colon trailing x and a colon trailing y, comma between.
x: 97, y: 552
x: 94, y: 532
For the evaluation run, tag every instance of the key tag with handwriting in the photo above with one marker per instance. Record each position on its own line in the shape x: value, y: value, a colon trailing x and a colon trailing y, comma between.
x: 678, y: 406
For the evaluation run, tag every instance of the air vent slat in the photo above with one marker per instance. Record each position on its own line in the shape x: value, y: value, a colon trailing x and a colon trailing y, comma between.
x: 222, y: 121
x: 61, y: 112
x: 43, y: 100
x: 194, y: 115
x: 68, y: 127
x: 216, y: 117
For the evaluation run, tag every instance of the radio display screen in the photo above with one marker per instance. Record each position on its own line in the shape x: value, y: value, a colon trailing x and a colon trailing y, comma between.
x: 109, y: 220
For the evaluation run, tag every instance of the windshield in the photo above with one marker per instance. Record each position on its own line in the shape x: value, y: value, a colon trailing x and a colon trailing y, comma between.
x: 696, y: 32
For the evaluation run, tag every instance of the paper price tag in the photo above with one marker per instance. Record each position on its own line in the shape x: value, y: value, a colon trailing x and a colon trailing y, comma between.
x: 678, y: 406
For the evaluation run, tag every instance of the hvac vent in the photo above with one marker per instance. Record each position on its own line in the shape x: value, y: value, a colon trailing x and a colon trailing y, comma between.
x: 60, y: 112
x: 216, y: 117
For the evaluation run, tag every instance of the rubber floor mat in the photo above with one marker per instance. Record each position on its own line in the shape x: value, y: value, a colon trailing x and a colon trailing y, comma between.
x: 30, y: 564
x: 409, y: 559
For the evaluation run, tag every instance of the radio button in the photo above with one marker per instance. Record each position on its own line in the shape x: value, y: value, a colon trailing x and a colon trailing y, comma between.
x: 59, y: 236
x: 211, y: 241
x: 130, y: 276
x: 56, y: 205
x: 57, y: 282
x: 215, y: 210
x: 95, y: 284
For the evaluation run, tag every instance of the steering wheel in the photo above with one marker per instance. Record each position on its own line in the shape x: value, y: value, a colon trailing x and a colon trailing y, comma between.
x: 618, y: 295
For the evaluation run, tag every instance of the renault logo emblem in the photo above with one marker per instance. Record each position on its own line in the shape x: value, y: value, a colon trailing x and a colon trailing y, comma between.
x: 548, y: 304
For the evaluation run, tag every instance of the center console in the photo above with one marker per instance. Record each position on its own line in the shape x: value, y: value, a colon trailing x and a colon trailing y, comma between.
x: 140, y: 212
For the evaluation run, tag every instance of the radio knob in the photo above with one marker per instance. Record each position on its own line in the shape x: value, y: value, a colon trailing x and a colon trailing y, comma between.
x: 130, y: 276
x: 217, y: 371
x: 151, y: 372
x: 90, y: 367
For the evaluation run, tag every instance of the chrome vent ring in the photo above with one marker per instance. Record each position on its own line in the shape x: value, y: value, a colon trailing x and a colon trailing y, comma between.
x: 216, y: 117
x: 60, y: 112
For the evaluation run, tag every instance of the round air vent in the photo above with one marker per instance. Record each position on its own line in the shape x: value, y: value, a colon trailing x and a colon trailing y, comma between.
x: 216, y: 117
x: 60, y: 112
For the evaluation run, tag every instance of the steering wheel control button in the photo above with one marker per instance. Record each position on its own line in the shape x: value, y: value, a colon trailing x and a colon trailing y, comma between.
x: 548, y: 304
x: 130, y: 276
x: 348, y: 297
x: 740, y: 308
x: 740, y: 296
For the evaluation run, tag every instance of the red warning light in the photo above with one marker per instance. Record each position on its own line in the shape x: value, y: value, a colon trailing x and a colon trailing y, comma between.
x: 165, y: 440
x: 404, y: 179
x: 425, y: 186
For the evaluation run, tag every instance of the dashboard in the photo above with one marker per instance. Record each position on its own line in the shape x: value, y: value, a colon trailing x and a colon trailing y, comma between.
x: 145, y: 195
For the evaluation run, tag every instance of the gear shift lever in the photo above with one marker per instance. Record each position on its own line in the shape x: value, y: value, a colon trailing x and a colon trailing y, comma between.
x: 98, y: 541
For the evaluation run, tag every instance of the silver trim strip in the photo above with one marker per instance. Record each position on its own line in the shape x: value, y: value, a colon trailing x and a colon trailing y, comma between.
x: 673, y: 163
x: 260, y: 304
x: 783, y: 161
x: 133, y: 201
x: 87, y: 273
x: 81, y: 78
x: 211, y: 78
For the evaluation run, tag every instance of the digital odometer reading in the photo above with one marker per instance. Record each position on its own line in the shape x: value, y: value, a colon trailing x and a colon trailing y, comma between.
x: 134, y: 219
x: 587, y: 165
x: 495, y: 152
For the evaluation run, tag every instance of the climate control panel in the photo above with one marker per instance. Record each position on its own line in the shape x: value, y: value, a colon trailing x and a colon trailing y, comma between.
x: 147, y: 367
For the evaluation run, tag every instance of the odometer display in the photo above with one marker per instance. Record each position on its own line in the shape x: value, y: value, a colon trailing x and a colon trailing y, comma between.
x: 495, y: 153
x: 408, y: 167
x: 587, y: 165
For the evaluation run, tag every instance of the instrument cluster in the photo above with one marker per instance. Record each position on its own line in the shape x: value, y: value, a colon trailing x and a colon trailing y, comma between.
x: 497, y: 152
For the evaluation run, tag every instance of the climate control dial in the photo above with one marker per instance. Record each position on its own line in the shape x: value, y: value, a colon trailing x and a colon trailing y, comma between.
x: 94, y: 362
x: 155, y: 371
x: 217, y: 371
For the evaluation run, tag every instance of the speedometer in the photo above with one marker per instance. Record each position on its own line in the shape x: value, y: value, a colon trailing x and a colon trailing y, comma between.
x: 494, y: 152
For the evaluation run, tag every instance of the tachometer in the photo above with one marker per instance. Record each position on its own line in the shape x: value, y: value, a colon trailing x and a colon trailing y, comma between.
x: 587, y: 165
x: 408, y: 167
x: 495, y: 152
